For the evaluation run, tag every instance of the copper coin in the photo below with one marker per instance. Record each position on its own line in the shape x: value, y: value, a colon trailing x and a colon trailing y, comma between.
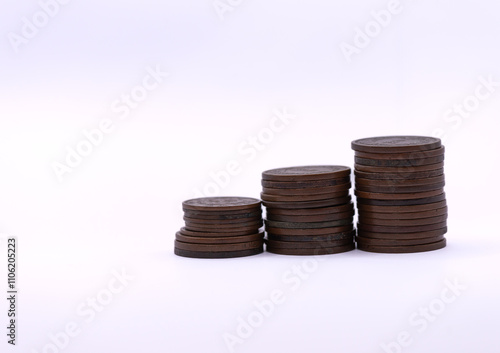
x: 299, y: 238
x: 305, y: 184
x: 223, y: 222
x: 407, y: 202
x: 306, y: 191
x: 221, y: 229
x: 398, y: 162
x: 221, y: 204
x: 278, y: 244
x: 214, y: 234
x: 310, y: 232
x: 307, y: 225
x: 219, y: 240
x: 399, y: 182
x: 395, y: 144
x: 401, y: 209
x: 312, y: 252
x: 219, y: 254
x: 401, y: 229
x: 310, y: 211
x: 402, y: 222
x: 398, y: 242
x: 400, y: 189
x: 308, y: 204
x: 307, y: 173
x: 403, y: 155
x: 392, y: 170
x: 317, y: 218
x: 219, y: 247
x: 302, y: 198
x: 384, y: 196
x: 404, y: 215
x: 400, y: 174
x: 416, y: 235
x: 209, y: 216
x: 403, y: 249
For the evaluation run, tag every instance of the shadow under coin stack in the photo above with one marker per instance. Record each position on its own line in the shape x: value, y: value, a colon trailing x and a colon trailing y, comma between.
x: 309, y: 210
x: 399, y: 188
x: 221, y: 227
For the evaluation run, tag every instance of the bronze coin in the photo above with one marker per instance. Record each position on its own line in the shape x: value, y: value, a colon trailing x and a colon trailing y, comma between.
x: 401, y: 209
x: 194, y: 227
x: 223, y: 222
x: 401, y: 229
x: 400, y: 189
x: 398, y: 242
x: 214, y: 234
x: 403, y: 155
x: 211, y: 216
x: 400, y: 174
x: 398, y: 162
x: 219, y: 240
x: 404, y: 215
x: 310, y: 232
x: 392, y: 170
x: 278, y: 244
x: 417, y: 235
x: 302, y: 198
x: 384, y: 196
x: 306, y: 191
x: 219, y: 254
x: 305, y: 184
x: 219, y: 247
x: 402, y: 222
x: 408, y: 202
x: 307, y: 173
x: 307, y: 225
x: 395, y: 144
x: 221, y: 204
x: 308, y: 204
x: 317, y: 218
x: 399, y: 182
x: 312, y: 252
x: 310, y: 211
x: 299, y: 238
x: 403, y: 249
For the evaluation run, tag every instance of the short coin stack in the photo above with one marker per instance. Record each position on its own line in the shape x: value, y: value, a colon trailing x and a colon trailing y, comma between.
x: 221, y: 227
x: 399, y: 188
x: 309, y: 210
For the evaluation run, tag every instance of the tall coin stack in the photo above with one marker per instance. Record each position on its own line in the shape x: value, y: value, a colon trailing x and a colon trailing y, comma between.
x: 399, y: 188
x: 309, y: 210
x: 221, y: 227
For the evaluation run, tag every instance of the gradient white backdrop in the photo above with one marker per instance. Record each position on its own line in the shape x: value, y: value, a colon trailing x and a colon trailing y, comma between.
x: 120, y: 207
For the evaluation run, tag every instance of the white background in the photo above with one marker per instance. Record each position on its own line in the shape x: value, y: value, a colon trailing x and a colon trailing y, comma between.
x: 120, y: 208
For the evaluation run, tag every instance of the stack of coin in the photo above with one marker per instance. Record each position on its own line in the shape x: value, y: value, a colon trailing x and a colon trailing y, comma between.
x: 309, y: 210
x: 221, y: 227
x: 399, y: 188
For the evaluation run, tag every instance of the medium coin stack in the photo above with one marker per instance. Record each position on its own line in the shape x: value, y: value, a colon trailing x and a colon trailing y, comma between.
x: 399, y: 188
x: 309, y: 210
x: 221, y: 227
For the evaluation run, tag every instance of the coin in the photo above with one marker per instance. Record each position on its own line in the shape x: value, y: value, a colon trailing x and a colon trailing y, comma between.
x: 310, y: 231
x: 307, y: 225
x: 402, y: 155
x: 299, y: 238
x: 412, y: 169
x: 398, y: 162
x: 221, y: 204
x: 225, y: 226
x: 315, y: 251
x: 400, y: 173
x: 398, y: 242
x: 403, y: 249
x: 409, y: 202
x: 310, y: 211
x: 396, y: 144
x: 302, y: 198
x: 219, y: 240
x: 405, y: 215
x: 305, y: 184
x: 219, y: 247
x: 394, y: 197
x: 306, y: 191
x: 219, y: 254
x: 399, y: 182
x: 278, y: 244
x: 223, y: 222
x: 308, y: 204
x: 400, y: 189
x: 315, y: 218
x: 307, y: 173
x: 401, y: 229
x: 213, y: 234
x: 415, y: 235
x: 401, y: 208
x: 213, y: 229
x: 212, y: 216
x: 402, y: 222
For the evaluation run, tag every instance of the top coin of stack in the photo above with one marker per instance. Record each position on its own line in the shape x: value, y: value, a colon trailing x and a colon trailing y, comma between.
x: 399, y: 188
x: 309, y: 210
x: 220, y: 227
